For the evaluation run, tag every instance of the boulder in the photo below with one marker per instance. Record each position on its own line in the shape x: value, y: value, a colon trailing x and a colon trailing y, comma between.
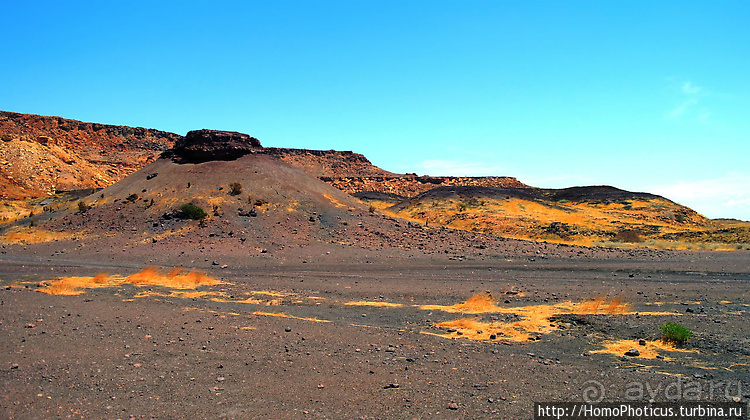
x: 206, y: 145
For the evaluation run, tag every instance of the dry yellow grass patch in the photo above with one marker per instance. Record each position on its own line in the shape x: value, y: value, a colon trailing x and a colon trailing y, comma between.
x: 601, y: 306
x: 478, y: 304
x: 174, y: 279
x: 532, y: 319
x: 591, y: 223
x: 368, y: 303
x: 473, y: 329
x: 180, y: 294
x: 293, y: 204
x: 284, y: 315
x: 70, y: 286
x: 251, y: 301
x: 270, y: 293
x: 11, y: 210
x: 649, y: 351
x: 336, y: 202
x: 33, y: 235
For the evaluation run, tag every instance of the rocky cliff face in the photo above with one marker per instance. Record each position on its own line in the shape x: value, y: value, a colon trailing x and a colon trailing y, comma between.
x: 329, y: 163
x: 40, y: 155
x: 410, y: 185
x: 205, y: 145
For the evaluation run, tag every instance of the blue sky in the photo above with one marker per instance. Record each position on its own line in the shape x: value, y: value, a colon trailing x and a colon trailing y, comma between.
x: 643, y: 95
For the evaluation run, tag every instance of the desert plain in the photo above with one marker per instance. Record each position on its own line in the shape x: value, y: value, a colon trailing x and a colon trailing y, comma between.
x: 291, y: 298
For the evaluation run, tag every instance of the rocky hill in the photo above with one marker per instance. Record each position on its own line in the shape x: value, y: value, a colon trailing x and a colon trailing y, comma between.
x: 41, y: 155
x: 582, y: 215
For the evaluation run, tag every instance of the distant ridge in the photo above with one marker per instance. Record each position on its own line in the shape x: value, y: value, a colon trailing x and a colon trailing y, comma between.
x: 40, y: 155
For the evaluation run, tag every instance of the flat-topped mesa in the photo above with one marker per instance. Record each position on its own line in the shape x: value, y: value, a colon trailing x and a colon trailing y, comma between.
x: 206, y: 145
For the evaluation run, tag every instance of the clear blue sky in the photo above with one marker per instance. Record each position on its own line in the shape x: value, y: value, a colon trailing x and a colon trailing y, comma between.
x: 643, y: 95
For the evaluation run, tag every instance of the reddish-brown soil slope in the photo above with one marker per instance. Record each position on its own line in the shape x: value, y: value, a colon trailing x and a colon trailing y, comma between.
x: 40, y: 155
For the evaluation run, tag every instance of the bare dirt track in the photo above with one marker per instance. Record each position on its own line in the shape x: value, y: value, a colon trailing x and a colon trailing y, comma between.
x: 352, y: 334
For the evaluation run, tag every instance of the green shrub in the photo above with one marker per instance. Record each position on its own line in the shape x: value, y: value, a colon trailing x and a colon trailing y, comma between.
x: 461, y: 206
x: 191, y: 211
x: 235, y: 188
x: 675, y: 333
x: 82, y: 207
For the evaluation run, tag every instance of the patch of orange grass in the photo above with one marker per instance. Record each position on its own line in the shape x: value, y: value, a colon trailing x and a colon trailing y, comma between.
x: 175, y: 279
x: 149, y: 276
x: 533, y: 319
x: 473, y: 329
x: 269, y: 293
x: 33, y: 235
x: 600, y: 306
x: 284, y: 315
x: 180, y: 294
x: 478, y: 304
x: 368, y: 303
x: 250, y: 301
x: 71, y: 286
x: 649, y: 351
x: 336, y: 202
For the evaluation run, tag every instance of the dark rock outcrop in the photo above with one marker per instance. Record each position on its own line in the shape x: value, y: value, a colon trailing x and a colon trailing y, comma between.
x: 206, y: 145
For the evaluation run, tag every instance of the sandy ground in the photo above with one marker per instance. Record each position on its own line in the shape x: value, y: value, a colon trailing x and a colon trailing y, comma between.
x: 338, y: 332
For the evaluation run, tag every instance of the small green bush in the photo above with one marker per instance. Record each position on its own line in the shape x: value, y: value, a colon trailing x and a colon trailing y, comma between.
x: 82, y: 207
x: 461, y: 206
x: 191, y: 211
x: 675, y: 333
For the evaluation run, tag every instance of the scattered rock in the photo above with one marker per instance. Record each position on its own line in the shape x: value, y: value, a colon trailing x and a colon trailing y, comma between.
x: 391, y: 386
x: 452, y: 406
x: 207, y: 145
x: 633, y: 353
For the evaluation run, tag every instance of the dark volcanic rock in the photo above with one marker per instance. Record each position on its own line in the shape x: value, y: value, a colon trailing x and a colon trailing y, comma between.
x: 205, y: 145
